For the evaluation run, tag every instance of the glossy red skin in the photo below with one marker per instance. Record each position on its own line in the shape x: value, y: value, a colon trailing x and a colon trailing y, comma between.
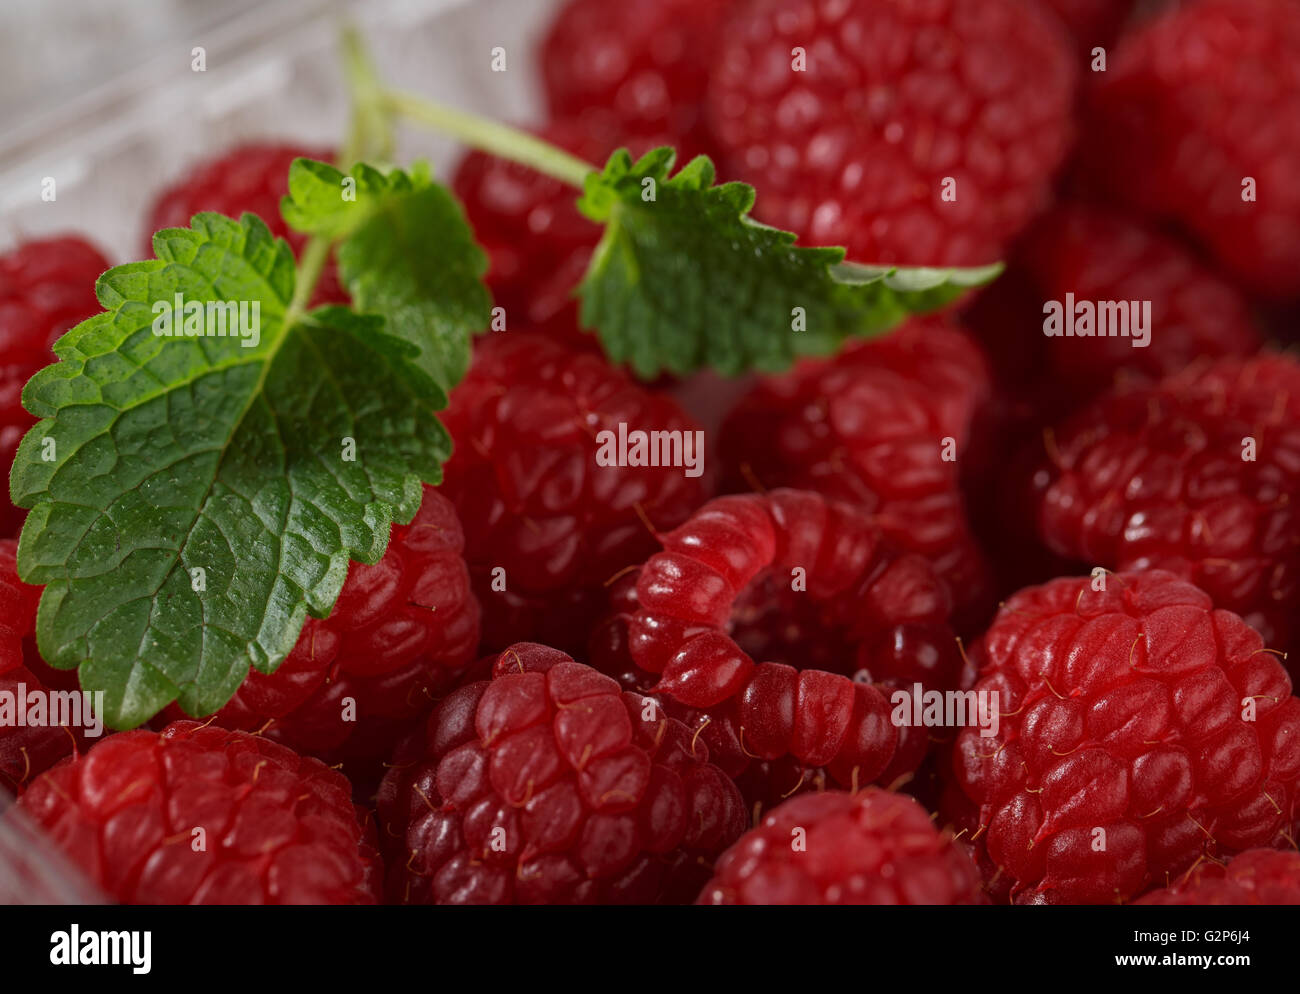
x: 1123, y: 712
x: 836, y: 848
x: 894, y: 99
x: 690, y: 624
x: 277, y: 828
x: 547, y: 784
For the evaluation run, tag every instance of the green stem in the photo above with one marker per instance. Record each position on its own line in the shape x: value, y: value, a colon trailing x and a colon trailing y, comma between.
x: 371, y: 134
x: 314, y: 256
x: 496, y: 139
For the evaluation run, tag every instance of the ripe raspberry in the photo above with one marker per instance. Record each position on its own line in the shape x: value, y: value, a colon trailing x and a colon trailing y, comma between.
x: 870, y: 847
x: 1191, y: 105
x: 46, y: 287
x: 249, y: 178
x: 530, y: 495
x: 1163, y: 477
x: 26, y: 751
x: 546, y: 784
x: 893, y: 101
x: 277, y: 828
x: 400, y: 634
x: 1101, y: 255
x: 644, y: 63
x: 869, y: 427
x: 1258, y: 876
x: 1140, y: 731
x: 810, y: 586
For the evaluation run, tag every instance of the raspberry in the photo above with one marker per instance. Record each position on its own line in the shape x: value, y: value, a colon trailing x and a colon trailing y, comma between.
x: 643, y: 63
x: 869, y: 427
x: 399, y: 636
x: 249, y: 178
x: 26, y: 750
x: 1101, y: 255
x: 895, y: 100
x: 537, y: 242
x: 1193, y: 104
x: 1258, y: 876
x: 729, y: 587
x: 1162, y: 477
x: 276, y: 828
x: 538, y: 512
x: 1141, y: 730
x: 869, y: 847
x: 546, y: 784
x: 46, y: 287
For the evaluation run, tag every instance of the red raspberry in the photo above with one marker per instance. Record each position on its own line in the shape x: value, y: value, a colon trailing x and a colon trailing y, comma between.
x: 546, y: 784
x: 26, y: 750
x: 46, y: 287
x: 894, y: 99
x: 249, y: 178
x: 1156, y: 478
x: 1101, y: 255
x: 1137, y: 711
x: 1191, y: 105
x: 869, y: 427
x: 869, y: 847
x: 400, y: 634
x: 644, y: 63
x: 722, y: 593
x: 277, y: 828
x: 1259, y: 876
x: 533, y: 500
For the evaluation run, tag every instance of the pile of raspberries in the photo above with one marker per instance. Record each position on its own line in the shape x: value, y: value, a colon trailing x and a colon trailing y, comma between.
x: 966, y: 614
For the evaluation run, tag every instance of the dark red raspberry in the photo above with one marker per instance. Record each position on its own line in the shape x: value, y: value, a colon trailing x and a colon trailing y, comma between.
x: 26, y: 750
x: 1158, y: 477
x: 894, y: 99
x: 46, y: 287
x: 870, y: 427
x: 249, y: 178
x: 1140, y: 730
x: 1259, y: 876
x: 726, y: 591
x: 643, y: 63
x: 538, y: 511
x: 399, y: 636
x: 547, y: 784
x: 869, y: 847
x: 276, y: 828
x: 1193, y: 104
x: 1102, y: 255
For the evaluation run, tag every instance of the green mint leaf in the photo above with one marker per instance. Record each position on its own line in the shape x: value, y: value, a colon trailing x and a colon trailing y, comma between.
x: 158, y: 456
x: 683, y: 278
x: 407, y: 253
